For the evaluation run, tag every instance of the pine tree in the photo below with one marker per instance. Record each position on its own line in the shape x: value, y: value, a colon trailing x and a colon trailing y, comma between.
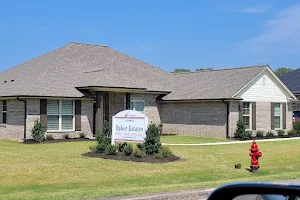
x: 152, y: 141
x: 240, y: 129
x: 37, y: 133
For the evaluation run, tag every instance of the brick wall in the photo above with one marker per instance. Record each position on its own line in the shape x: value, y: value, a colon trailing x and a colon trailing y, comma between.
x: 14, y: 128
x: 205, y: 119
x: 116, y: 104
x: 15, y: 119
x: 233, y: 117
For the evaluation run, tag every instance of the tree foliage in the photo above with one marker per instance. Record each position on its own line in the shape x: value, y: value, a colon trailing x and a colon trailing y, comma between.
x: 282, y: 70
x: 180, y: 70
x: 37, y: 133
x: 152, y: 141
x: 204, y: 69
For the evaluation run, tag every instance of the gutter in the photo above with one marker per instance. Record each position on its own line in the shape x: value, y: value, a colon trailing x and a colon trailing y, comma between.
x: 227, y: 118
x: 25, y: 115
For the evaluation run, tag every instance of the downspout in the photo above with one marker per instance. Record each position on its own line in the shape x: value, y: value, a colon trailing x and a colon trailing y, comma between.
x: 25, y: 115
x: 227, y: 118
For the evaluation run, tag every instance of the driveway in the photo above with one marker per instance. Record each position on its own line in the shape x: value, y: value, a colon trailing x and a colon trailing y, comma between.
x: 184, y: 195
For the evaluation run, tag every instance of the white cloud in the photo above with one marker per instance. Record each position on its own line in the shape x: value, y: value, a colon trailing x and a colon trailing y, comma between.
x: 280, y: 34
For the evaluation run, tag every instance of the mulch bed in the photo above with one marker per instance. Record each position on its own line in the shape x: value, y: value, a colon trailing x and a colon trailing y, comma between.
x: 121, y: 156
x: 30, y: 141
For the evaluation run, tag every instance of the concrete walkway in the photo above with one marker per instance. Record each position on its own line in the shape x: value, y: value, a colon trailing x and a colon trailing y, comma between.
x: 234, y: 142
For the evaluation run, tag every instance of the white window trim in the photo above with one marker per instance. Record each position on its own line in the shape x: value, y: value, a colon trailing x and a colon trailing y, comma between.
x: 281, y: 120
x: 60, y: 118
x: 250, y: 115
x: 4, y: 112
x: 134, y: 100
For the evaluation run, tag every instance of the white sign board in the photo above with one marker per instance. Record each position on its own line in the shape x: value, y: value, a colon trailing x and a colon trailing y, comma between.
x: 129, y: 126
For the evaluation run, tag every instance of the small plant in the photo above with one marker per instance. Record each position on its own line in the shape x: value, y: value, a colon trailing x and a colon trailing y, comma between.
x: 128, y: 149
x: 82, y: 135
x: 138, y: 153
x: 152, y: 140
x: 100, y: 147
x: 141, y: 146
x: 270, y: 134
x: 121, y: 146
x: 280, y: 133
x: 110, y: 149
x: 292, y: 133
x: 248, y: 134
x: 166, y: 152
x: 296, y: 127
x: 66, y: 136
x: 37, y: 133
x: 259, y: 134
x: 49, y: 137
x: 93, y: 148
x: 240, y: 130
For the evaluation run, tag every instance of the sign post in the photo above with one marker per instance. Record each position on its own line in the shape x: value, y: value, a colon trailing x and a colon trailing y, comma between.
x: 129, y: 126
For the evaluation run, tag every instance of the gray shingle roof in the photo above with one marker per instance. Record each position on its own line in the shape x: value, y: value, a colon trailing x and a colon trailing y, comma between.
x: 215, y: 84
x: 292, y: 80
x: 74, y: 65
x: 61, y: 71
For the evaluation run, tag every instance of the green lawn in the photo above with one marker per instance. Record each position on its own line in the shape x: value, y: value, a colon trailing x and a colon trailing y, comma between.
x: 58, y: 171
x: 188, y: 139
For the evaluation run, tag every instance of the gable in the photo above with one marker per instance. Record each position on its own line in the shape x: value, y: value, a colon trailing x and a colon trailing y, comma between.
x: 265, y: 87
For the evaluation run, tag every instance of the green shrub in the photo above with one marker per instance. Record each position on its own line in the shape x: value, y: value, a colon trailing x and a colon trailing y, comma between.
x: 121, y: 146
x: 152, y: 140
x: 49, y: 137
x: 240, y: 130
x: 248, y: 134
x: 292, y: 133
x: 100, y: 147
x: 82, y: 135
x: 259, y: 134
x: 296, y: 127
x: 105, y: 135
x: 110, y: 149
x: 66, y: 136
x: 270, y: 134
x: 166, y: 152
x: 141, y: 146
x: 138, y: 153
x: 280, y: 132
x: 37, y: 133
x: 128, y: 149
x: 93, y: 148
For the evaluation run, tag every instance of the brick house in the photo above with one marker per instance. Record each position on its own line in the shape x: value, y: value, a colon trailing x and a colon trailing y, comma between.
x: 75, y: 88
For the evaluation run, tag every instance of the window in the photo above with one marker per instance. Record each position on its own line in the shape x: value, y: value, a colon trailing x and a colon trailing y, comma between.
x: 247, y: 114
x: 277, y: 115
x: 60, y: 115
x: 4, y: 111
x: 136, y: 103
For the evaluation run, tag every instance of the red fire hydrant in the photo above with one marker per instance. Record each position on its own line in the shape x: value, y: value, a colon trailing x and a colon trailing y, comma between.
x: 255, y: 154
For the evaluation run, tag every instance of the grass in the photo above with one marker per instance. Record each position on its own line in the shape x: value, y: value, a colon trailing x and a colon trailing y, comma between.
x: 188, y: 140
x: 58, y: 171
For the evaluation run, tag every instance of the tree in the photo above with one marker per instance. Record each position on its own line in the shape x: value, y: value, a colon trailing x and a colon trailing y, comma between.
x: 152, y: 141
x: 179, y: 70
x: 204, y: 69
x: 282, y: 70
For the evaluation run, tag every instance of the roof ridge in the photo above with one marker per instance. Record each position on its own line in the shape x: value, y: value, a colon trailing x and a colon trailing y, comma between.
x: 213, y: 70
x: 99, y: 45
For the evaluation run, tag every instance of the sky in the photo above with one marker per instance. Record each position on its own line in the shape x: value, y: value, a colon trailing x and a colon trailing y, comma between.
x: 168, y: 34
